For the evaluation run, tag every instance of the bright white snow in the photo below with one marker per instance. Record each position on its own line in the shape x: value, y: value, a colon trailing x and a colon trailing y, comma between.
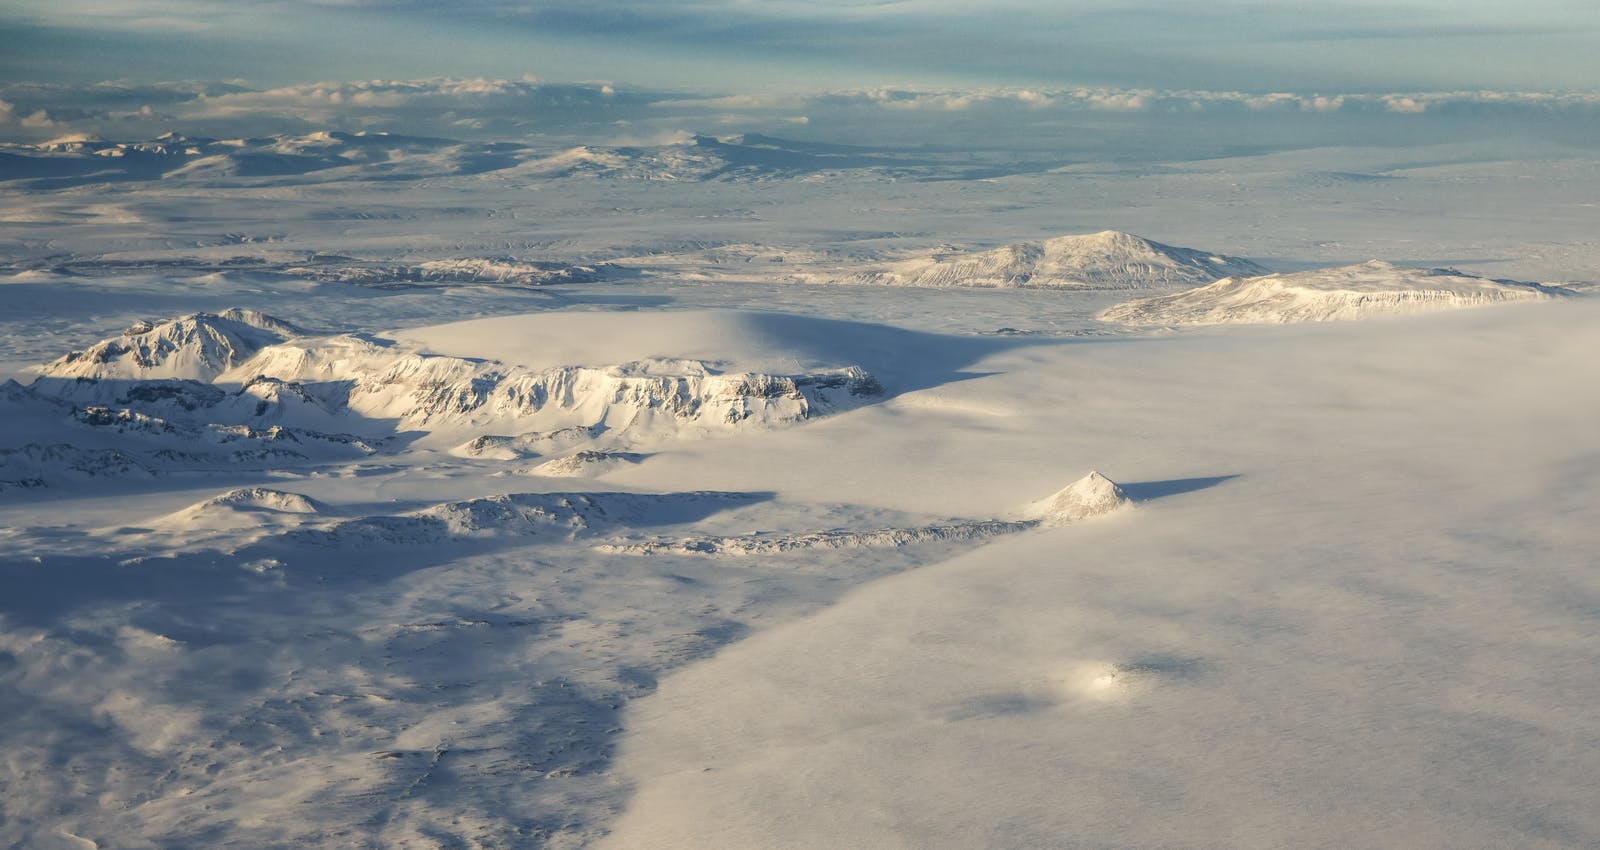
x: 522, y: 495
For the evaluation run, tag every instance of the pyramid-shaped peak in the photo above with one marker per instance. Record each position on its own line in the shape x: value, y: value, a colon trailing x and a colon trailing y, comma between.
x: 1089, y: 496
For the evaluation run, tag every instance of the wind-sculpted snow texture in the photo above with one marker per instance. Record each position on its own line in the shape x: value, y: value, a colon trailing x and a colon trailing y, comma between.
x: 1105, y: 260
x: 1367, y: 290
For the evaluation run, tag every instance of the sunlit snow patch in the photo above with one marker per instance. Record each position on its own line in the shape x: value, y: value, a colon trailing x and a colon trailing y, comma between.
x: 1106, y: 681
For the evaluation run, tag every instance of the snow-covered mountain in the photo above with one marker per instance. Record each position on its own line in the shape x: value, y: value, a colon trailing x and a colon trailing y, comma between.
x: 242, y: 386
x: 1374, y: 288
x: 381, y: 380
x: 198, y: 347
x: 1110, y: 259
x: 1090, y: 496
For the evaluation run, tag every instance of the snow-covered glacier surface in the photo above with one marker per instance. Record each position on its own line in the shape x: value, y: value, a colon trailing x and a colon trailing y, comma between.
x: 386, y: 491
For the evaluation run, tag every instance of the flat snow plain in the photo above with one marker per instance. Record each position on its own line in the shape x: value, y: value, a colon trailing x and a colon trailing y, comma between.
x: 1354, y: 602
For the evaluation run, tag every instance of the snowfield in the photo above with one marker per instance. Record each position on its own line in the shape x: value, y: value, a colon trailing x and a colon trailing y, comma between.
x: 378, y: 491
x: 1368, y: 623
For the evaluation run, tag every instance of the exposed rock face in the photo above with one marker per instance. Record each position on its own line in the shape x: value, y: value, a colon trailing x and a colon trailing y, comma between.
x: 429, y: 392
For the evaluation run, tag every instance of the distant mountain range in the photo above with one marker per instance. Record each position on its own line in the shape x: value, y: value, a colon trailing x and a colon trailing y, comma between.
x: 330, y: 156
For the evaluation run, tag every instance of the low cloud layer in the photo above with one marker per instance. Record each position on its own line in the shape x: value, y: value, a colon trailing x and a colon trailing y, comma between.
x: 1139, y: 122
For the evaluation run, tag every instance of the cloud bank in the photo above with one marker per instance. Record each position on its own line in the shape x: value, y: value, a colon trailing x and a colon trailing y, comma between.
x: 1078, y: 120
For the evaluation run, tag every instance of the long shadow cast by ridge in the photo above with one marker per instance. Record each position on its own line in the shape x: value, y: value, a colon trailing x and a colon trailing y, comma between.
x: 1145, y: 491
x: 902, y: 360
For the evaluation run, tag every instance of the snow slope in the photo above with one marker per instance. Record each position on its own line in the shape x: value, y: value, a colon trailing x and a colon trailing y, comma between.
x: 1378, y: 634
x: 1374, y: 288
x: 1109, y: 259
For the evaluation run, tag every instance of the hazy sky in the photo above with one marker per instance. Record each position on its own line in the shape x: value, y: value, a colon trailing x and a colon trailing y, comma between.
x: 757, y: 45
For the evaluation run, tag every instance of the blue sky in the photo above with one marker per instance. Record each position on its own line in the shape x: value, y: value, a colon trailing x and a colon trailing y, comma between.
x: 764, y: 45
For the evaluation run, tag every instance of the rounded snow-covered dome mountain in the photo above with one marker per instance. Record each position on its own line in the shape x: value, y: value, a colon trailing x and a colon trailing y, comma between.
x: 1373, y: 288
x: 1109, y: 259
